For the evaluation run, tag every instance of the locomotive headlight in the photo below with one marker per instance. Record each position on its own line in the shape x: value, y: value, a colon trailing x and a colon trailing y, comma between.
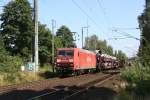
x: 70, y: 60
x: 58, y: 60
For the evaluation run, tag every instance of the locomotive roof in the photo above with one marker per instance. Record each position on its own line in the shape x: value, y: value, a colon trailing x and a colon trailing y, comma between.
x: 65, y: 48
x: 83, y: 50
x: 87, y: 51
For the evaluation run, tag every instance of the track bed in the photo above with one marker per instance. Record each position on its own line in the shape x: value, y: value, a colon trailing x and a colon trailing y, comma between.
x: 64, y: 87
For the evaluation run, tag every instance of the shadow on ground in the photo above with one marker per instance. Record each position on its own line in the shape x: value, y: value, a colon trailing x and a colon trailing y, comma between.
x: 48, y: 74
x: 94, y: 93
x: 111, y: 72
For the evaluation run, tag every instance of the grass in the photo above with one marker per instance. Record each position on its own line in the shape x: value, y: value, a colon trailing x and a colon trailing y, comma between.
x: 46, y: 67
x: 22, y: 77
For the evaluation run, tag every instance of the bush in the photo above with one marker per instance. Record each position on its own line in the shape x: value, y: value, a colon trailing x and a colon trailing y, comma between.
x: 9, y: 66
x: 138, y: 78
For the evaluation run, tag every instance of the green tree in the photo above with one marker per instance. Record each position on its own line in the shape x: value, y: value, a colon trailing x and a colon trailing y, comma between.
x: 2, y: 49
x: 115, y: 53
x: 45, y: 44
x: 121, y: 56
x: 109, y: 50
x: 8, y: 64
x: 93, y: 43
x: 102, y: 45
x: 144, y: 23
x: 18, y: 32
x: 66, y: 36
x: 17, y: 27
x: 58, y: 42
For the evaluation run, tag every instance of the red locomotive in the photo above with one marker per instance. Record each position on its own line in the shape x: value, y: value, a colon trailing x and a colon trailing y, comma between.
x: 76, y: 60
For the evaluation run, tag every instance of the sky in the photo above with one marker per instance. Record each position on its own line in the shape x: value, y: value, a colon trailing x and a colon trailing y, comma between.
x: 108, y: 19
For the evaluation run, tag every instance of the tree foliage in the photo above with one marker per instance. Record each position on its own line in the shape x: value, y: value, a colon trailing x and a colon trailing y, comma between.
x: 144, y: 23
x: 58, y: 42
x: 66, y: 36
x: 120, y: 55
x: 17, y: 39
x: 18, y: 32
x: 93, y: 43
x: 8, y: 64
x: 45, y: 44
x: 17, y: 27
x: 138, y: 75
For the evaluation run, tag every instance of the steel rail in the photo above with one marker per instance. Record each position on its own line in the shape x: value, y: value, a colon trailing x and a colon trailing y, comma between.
x: 48, y: 93
x: 85, y: 89
x: 76, y: 91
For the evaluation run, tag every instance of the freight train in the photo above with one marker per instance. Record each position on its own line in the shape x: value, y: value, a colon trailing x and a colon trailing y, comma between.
x: 77, y: 61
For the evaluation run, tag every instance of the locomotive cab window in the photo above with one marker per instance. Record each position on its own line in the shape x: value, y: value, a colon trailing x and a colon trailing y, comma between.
x: 66, y: 53
x: 69, y: 53
x: 62, y: 53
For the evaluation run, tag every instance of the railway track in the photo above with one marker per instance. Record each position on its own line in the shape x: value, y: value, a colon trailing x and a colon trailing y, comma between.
x: 26, y: 85
x: 68, y: 93
x: 56, y: 88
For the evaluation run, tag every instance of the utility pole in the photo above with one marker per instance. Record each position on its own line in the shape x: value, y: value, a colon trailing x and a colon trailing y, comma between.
x: 82, y: 37
x: 53, y: 52
x: 83, y: 34
x: 87, y: 35
x: 95, y: 45
x: 74, y: 38
x: 36, y: 35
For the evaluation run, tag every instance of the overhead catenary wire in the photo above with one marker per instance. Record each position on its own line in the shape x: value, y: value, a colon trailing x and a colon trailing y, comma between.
x: 100, y: 5
x: 90, y: 18
x: 106, y: 18
x: 126, y: 37
x: 118, y: 38
x: 90, y: 9
x: 92, y: 12
x: 109, y: 22
x: 126, y: 28
x: 104, y: 13
x: 125, y: 34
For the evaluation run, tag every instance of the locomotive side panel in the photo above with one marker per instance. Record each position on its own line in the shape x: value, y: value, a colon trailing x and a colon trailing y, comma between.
x: 76, y: 59
x: 87, y: 60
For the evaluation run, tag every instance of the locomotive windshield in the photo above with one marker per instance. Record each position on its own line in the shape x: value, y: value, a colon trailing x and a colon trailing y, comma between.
x: 65, y: 52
